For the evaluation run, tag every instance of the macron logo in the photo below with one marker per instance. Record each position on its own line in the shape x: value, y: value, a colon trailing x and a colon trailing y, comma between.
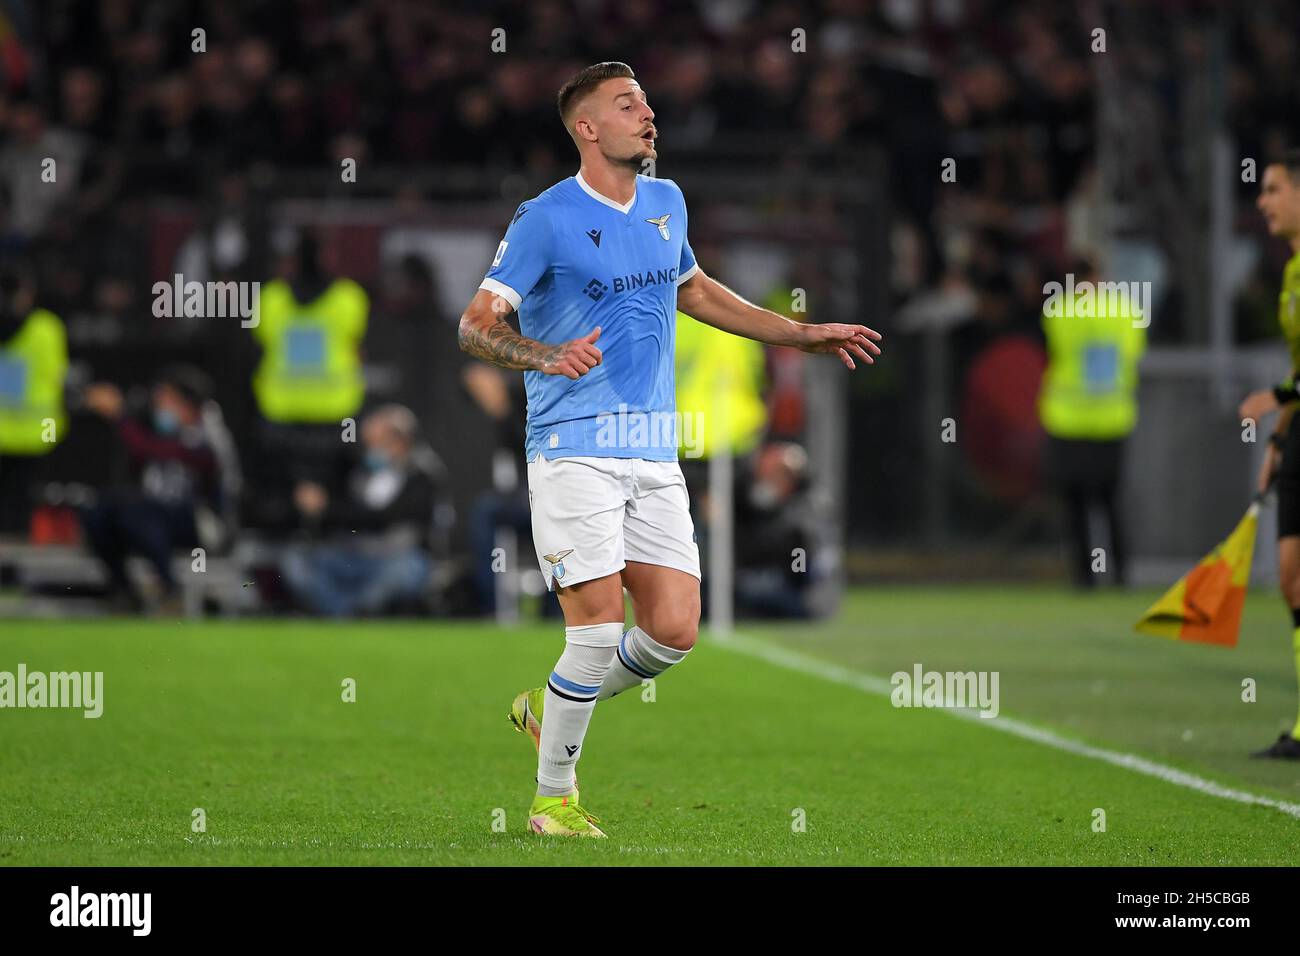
x: 594, y: 236
x: 571, y: 750
x: 103, y: 909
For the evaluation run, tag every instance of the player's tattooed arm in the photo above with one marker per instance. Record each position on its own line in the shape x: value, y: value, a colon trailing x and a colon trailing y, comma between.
x: 712, y: 303
x: 491, y: 338
x: 485, y: 334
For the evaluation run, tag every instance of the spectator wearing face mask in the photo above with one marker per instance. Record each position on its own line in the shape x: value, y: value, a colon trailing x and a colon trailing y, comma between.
x: 175, y: 468
x: 775, y: 543
x: 365, y: 548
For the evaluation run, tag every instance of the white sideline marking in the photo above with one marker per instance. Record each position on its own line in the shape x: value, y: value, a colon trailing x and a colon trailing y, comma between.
x: 871, y: 684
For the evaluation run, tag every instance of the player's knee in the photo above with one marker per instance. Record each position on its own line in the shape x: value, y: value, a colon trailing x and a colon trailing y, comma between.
x: 689, y: 632
x: 678, y: 628
x: 592, y: 602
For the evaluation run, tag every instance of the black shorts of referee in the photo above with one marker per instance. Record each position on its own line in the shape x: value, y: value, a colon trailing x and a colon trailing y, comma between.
x: 1288, y: 482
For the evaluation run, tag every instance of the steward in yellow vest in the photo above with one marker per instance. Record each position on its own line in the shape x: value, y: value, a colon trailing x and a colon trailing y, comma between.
x: 33, y: 366
x: 1095, y: 338
x: 311, y: 363
x: 1096, y: 333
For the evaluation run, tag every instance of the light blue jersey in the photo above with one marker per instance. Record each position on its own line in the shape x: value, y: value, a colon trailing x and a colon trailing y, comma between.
x: 572, y: 260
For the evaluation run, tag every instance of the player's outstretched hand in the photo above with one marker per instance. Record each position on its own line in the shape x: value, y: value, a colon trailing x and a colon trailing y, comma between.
x: 575, y: 358
x: 843, y: 340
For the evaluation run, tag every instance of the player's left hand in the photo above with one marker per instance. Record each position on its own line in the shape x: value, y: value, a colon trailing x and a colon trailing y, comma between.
x: 841, y: 339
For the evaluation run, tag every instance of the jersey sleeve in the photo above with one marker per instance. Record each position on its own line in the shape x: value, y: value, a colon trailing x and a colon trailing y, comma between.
x: 686, y: 266
x: 523, y: 256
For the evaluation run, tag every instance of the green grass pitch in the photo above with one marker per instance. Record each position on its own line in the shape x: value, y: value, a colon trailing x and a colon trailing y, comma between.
x: 246, y: 720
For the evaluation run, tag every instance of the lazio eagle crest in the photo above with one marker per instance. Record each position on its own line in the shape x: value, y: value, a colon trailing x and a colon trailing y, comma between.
x: 662, y: 223
x: 557, y: 562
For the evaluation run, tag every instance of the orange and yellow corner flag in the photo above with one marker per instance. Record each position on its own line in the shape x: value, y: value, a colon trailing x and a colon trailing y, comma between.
x: 1206, y: 603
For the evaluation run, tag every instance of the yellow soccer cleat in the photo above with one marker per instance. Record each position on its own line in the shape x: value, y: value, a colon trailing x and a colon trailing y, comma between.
x: 526, y: 713
x: 562, y: 816
x: 526, y: 716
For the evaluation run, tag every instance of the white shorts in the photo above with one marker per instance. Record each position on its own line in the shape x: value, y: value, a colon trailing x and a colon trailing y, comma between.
x: 592, y: 515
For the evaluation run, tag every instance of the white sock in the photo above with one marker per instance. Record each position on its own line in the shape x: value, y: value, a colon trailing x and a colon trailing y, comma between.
x: 640, y: 657
x: 570, y: 699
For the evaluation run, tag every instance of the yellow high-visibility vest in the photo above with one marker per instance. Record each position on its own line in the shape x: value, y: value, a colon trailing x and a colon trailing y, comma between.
x: 33, y: 367
x: 311, y: 362
x: 1089, y: 389
x: 719, y: 389
x: 1288, y: 309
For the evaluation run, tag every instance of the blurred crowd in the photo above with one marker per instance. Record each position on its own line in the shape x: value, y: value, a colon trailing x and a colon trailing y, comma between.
x: 116, y: 93
x: 177, y: 129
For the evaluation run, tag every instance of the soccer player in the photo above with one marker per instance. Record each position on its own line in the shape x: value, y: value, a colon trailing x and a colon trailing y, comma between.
x: 596, y: 266
x: 1279, y: 201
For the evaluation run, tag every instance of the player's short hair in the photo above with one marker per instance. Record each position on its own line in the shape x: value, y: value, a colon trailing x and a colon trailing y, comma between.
x: 585, y: 81
x: 1290, y: 161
